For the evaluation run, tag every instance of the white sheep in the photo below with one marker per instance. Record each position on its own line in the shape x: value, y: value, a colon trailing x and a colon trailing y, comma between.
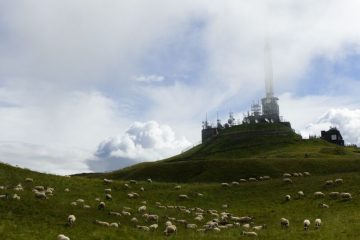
x: 323, y: 205
x: 334, y: 195
x: 300, y: 194
x: 134, y: 220
x: 191, y: 226
x: 307, y: 174
x: 66, y: 190
x: 133, y: 182
x: 242, y: 180
x: 171, y: 229
x: 252, y: 234
x: 115, y: 214
x: 235, y: 183
x: 287, y: 180
x: 29, y: 180
x: 183, y: 197
x: 329, y: 183
x: 114, y: 224
x: 142, y: 209
x: 142, y: 189
x: 101, y: 205
x: 40, y: 195
x: 284, y: 222
x: 73, y: 203
x: 153, y: 227
x: 62, y: 237
x: 306, y: 224
x: 224, y: 184
x: 319, y: 195
x: 39, y: 188
x: 80, y: 200
x: 200, y: 195
x: 144, y: 228
x: 86, y: 206
x: 107, y: 181
x: 108, y: 196
x: 71, y: 220
x: 253, y: 180
x: 149, y: 180
x: 345, y: 196
x: 286, y: 175
x: 126, y: 213
x: 287, y: 197
x: 152, y: 218
x: 102, y: 223
x: 177, y: 187
x: 317, y: 223
x: 16, y: 197
x: 339, y: 181
x: 107, y: 190
x: 260, y: 227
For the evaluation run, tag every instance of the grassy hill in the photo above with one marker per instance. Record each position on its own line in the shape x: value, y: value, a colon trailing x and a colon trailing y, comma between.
x: 31, y: 218
x: 246, y: 151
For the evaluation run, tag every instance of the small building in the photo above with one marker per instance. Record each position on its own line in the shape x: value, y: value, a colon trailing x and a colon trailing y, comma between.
x: 333, y: 135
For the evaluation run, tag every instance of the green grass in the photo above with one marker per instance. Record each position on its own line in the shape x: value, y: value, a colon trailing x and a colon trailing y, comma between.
x: 31, y: 218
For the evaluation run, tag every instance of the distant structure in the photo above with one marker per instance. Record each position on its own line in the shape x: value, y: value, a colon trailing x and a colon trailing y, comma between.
x: 333, y: 135
x: 267, y: 112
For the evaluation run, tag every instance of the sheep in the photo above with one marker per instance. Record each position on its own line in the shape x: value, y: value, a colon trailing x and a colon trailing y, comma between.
x: 345, y: 196
x: 317, y: 223
x: 323, y: 205
x: 177, y: 187
x: 134, y: 220
x: 149, y: 180
x: 107, y: 181
x: 260, y: 227
x: 102, y: 223
x: 300, y: 194
x: 339, y: 181
x: 125, y: 213
x: 266, y: 177
x: 152, y: 218
x: 71, y: 220
x: 242, y: 180
x: 142, y: 209
x: 115, y: 214
x: 200, y: 195
x: 225, y: 184
x: 329, y: 183
x: 253, y: 180
x: 295, y: 174
x: 97, y: 199
x: 246, y: 225
x: 170, y: 230
x: 286, y: 175
x: 287, y: 180
x: 39, y: 188
x: 142, y: 189
x: 224, y: 206
x: 191, y: 226
x: 199, y: 218
x: 62, y: 237
x: 216, y: 229
x: 114, y: 224
x: 168, y: 223
x: 40, y: 195
x: 29, y: 180
x: 319, y: 195
x: 252, y: 234
x: 108, y: 196
x: 284, y: 222
x: 334, y: 195
x: 245, y: 219
x: 153, y: 227
x: 73, y: 203
x: 107, y: 190
x: 307, y: 174
x: 16, y: 197
x: 86, y: 206
x: 306, y: 224
x: 144, y: 228
x: 183, y: 197
x: 101, y: 205
x: 126, y: 186
x: 235, y: 183
x: 80, y: 200
x: 287, y: 198
x: 133, y: 182
x: 66, y: 190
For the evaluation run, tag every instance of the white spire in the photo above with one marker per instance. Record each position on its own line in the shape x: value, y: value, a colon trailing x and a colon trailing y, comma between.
x: 268, y: 71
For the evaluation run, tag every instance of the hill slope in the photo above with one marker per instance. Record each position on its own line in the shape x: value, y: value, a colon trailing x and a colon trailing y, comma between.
x: 246, y: 151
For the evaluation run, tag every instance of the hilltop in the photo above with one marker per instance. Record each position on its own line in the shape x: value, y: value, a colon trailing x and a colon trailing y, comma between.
x: 244, y: 151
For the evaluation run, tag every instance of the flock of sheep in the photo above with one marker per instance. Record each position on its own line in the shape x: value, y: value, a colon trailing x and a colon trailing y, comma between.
x: 218, y: 220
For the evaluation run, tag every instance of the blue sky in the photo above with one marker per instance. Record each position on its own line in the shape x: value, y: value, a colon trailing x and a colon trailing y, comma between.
x: 76, y: 76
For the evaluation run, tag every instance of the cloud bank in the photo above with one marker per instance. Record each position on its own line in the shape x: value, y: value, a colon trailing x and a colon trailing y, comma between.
x: 147, y: 141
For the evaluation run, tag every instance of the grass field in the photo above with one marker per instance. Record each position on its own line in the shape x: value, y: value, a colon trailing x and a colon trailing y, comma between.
x: 31, y: 218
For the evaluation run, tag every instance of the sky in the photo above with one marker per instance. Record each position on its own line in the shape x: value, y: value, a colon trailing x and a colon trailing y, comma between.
x: 98, y: 85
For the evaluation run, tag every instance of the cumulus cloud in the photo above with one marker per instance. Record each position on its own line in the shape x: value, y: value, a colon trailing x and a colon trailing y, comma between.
x: 346, y: 120
x: 142, y: 141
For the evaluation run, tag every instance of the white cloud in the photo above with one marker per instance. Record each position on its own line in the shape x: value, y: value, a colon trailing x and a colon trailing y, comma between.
x: 148, y: 141
x: 346, y: 120
x: 148, y: 78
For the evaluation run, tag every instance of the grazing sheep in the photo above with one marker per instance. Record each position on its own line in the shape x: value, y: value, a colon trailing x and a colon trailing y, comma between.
x: 345, y: 196
x: 246, y: 225
x: 16, y: 197
x: 66, y: 190
x: 252, y: 234
x: 97, y: 199
x: 242, y: 180
x: 317, y: 223
x: 39, y: 188
x: 134, y: 220
x: 86, y: 206
x: 177, y: 187
x: 101, y: 205
x: 144, y: 228
x: 152, y: 218
x: 170, y: 230
x: 200, y: 195
x: 319, y: 195
x: 125, y: 213
x: 287, y: 198
x: 115, y: 214
x: 142, y: 209
x: 260, y: 227
x: 168, y: 223
x: 40, y: 195
x: 339, y: 181
x: 329, y: 183
x: 253, y: 180
x: 306, y: 174
x: 71, y: 220
x: 199, y: 218
x: 126, y: 186
x: 73, y: 203
x: 153, y: 227
x: 133, y: 182
x: 286, y: 175
x: 62, y: 237
x: 266, y: 177
x: 149, y: 180
x: 287, y: 180
x: 323, y: 205
x: 334, y: 195
x: 183, y: 197
x: 142, y: 189
x: 295, y: 174
x: 29, y: 180
x: 306, y: 224
x: 114, y: 224
x: 80, y: 200
x: 300, y: 194
x: 225, y: 184
x: 108, y: 196
x: 284, y: 222
x: 102, y: 223
x: 107, y: 190
x: 107, y: 181
x: 235, y: 183
x: 191, y: 226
